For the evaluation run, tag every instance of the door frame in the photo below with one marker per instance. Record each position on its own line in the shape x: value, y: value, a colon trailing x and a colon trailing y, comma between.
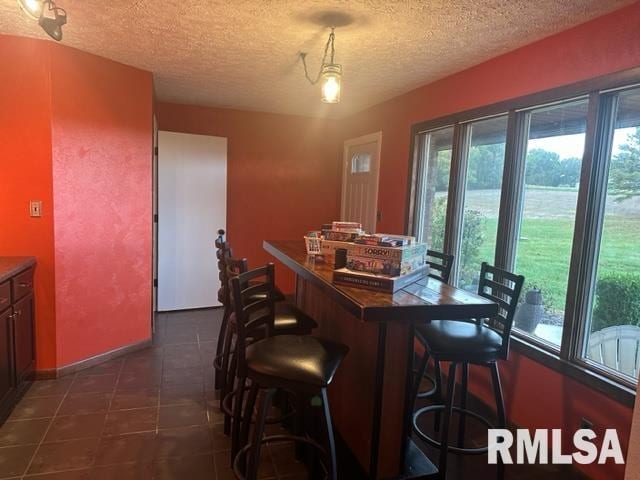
x: 368, y: 138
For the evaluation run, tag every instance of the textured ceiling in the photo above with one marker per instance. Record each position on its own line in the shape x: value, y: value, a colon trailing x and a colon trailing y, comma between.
x: 244, y: 54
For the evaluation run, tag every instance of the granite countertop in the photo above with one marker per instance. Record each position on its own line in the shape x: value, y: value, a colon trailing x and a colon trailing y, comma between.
x: 9, y: 266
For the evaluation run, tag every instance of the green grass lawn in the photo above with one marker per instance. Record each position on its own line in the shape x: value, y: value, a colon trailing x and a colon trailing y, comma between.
x: 544, y: 252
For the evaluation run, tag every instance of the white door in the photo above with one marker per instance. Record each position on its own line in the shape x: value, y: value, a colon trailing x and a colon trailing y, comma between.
x: 360, y: 172
x: 192, y: 206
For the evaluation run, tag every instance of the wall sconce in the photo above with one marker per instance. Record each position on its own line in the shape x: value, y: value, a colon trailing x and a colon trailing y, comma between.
x: 49, y: 16
x: 330, y: 74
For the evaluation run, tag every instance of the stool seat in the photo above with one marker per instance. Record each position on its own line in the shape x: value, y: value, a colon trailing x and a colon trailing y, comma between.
x: 289, y: 317
x: 300, y: 359
x: 459, y: 340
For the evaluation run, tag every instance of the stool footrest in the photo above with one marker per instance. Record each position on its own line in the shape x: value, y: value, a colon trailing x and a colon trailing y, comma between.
x: 453, y: 449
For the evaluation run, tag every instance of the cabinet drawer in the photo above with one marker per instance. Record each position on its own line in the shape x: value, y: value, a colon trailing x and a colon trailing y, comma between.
x: 5, y: 296
x: 22, y: 284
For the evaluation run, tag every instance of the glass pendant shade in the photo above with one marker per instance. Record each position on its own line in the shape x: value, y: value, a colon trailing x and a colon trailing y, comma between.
x: 33, y: 8
x: 330, y: 81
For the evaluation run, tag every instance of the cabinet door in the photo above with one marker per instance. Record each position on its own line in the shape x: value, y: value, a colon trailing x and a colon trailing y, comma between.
x: 23, y: 328
x: 6, y: 354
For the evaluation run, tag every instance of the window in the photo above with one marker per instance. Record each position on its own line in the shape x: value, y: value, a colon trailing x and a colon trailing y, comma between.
x: 361, y: 163
x: 485, y: 162
x: 555, y: 147
x: 434, y: 186
x: 546, y: 186
x: 613, y: 333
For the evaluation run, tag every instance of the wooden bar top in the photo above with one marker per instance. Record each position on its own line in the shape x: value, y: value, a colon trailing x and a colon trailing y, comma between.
x: 9, y: 266
x: 426, y: 299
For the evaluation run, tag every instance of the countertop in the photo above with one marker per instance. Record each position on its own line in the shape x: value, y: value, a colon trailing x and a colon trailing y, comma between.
x: 426, y: 299
x: 9, y: 266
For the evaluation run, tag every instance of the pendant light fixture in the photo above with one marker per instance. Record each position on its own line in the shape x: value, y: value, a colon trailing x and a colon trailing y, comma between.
x: 49, y: 16
x: 330, y: 74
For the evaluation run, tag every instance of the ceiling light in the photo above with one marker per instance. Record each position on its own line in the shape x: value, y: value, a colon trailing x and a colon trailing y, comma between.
x: 50, y: 17
x: 33, y: 8
x: 330, y: 74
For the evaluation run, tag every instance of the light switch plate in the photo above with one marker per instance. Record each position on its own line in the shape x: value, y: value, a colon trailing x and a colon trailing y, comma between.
x: 35, y: 208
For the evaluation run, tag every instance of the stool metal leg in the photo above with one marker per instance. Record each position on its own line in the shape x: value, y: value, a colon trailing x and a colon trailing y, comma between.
x: 332, y: 464
x: 254, y: 451
x: 438, y: 394
x: 422, y: 367
x: 248, y: 414
x: 236, y: 420
x: 502, y: 417
x: 463, y: 404
x: 228, y: 387
x: 446, y: 420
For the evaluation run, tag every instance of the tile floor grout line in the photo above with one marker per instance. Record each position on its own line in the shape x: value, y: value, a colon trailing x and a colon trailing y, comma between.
x: 106, y: 417
x: 35, y: 452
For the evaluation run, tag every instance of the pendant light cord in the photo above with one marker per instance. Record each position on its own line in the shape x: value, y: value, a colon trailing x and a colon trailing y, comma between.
x: 303, y: 56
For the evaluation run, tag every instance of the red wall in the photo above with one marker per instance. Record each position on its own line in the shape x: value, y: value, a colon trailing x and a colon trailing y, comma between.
x: 25, y: 174
x: 536, y: 396
x: 75, y: 132
x: 102, y: 156
x: 283, y: 174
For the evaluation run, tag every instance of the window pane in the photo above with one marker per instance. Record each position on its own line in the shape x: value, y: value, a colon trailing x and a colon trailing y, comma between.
x: 361, y: 163
x: 613, y: 335
x: 482, y: 198
x: 434, y: 185
x: 554, y: 157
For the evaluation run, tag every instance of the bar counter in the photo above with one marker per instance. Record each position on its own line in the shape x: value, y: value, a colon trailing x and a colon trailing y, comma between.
x: 370, y: 400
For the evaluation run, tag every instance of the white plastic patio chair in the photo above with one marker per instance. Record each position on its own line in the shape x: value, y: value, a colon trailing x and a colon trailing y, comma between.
x: 618, y: 348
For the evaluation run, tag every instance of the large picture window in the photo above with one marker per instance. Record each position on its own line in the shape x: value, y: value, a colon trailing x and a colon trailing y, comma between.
x: 547, y: 186
x: 613, y: 333
x: 555, y: 147
x: 485, y: 163
x: 434, y: 180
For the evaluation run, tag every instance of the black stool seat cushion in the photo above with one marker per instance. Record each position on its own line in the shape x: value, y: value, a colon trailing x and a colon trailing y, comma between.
x: 296, y: 358
x: 290, y: 317
x: 458, y: 340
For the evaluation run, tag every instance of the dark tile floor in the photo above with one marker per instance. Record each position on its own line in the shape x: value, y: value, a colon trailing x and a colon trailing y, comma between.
x: 153, y: 415
x: 149, y: 415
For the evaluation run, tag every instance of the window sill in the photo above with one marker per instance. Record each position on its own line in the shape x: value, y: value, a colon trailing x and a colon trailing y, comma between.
x: 615, y: 390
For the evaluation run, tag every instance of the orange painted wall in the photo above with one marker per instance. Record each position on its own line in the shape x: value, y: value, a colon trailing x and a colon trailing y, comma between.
x: 102, y: 157
x: 283, y: 174
x: 536, y: 396
x: 25, y: 174
x: 75, y: 132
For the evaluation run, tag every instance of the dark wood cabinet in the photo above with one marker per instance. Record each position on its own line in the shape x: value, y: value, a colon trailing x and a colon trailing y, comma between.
x: 7, y: 381
x: 17, y: 342
x: 23, y: 337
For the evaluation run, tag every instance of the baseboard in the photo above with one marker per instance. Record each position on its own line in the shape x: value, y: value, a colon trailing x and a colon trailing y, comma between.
x: 72, y: 368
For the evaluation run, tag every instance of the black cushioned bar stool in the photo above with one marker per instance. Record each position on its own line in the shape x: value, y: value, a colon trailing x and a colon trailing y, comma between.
x: 479, y: 342
x: 288, y: 320
x: 439, y: 268
x: 300, y: 365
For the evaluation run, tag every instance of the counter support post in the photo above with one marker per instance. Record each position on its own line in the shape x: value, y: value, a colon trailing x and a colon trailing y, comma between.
x: 377, y: 402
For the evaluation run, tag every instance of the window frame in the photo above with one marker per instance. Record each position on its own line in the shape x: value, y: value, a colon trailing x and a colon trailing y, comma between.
x: 601, y: 93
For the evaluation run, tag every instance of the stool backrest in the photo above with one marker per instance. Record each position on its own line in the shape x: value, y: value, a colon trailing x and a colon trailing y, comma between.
x: 439, y: 265
x: 252, y: 294
x: 503, y: 288
x: 223, y: 251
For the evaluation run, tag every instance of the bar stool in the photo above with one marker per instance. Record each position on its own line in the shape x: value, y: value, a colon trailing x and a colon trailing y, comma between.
x: 301, y: 365
x: 439, y: 268
x: 288, y: 320
x: 288, y: 317
x: 480, y: 342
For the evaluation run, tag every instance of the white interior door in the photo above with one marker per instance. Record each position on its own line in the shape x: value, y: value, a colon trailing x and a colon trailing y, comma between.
x: 192, y: 206
x: 360, y: 172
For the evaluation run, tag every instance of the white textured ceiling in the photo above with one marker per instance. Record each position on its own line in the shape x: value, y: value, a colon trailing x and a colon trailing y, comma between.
x: 244, y: 54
